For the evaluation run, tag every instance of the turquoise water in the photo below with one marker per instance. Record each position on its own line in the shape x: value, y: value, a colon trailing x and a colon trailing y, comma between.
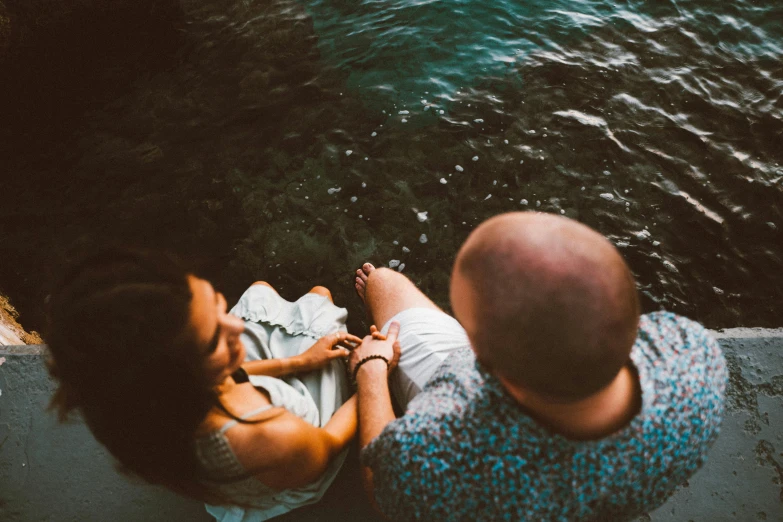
x: 402, y: 51
x: 291, y: 141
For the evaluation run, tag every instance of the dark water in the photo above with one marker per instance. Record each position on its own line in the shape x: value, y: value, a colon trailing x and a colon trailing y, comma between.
x: 292, y: 141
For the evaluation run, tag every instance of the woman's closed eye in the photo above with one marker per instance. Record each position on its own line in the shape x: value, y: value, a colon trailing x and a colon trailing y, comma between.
x: 213, y: 343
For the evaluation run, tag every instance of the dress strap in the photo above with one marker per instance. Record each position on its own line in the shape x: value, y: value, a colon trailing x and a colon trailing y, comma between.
x: 230, y: 424
x: 240, y: 376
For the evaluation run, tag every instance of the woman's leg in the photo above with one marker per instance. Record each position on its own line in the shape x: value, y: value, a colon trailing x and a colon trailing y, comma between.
x: 322, y: 290
x: 264, y: 283
x: 319, y: 290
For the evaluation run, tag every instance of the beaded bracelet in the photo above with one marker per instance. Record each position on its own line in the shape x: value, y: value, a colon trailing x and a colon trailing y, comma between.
x: 368, y: 358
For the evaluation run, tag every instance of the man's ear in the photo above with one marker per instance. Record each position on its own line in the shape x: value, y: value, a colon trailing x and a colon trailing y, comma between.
x: 512, y: 389
x: 482, y: 362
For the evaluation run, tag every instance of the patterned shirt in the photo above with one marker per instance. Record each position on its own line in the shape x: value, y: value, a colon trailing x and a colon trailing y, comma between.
x: 465, y: 450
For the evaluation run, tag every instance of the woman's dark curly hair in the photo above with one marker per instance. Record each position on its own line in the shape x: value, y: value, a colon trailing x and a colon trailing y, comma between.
x: 125, y: 356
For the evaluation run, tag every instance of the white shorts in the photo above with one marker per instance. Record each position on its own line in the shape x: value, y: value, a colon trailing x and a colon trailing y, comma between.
x: 427, y: 337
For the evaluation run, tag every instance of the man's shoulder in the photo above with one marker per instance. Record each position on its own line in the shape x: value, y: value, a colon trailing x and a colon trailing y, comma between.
x: 679, y: 359
x: 683, y: 376
x: 665, y: 336
x: 667, y: 325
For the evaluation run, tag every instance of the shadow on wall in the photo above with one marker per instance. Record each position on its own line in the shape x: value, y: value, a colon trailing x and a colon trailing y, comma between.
x: 52, y: 57
x: 27, y: 23
x: 48, y: 49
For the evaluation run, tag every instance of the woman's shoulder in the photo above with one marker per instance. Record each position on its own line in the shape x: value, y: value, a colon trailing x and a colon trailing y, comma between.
x: 243, y: 401
x: 272, y: 448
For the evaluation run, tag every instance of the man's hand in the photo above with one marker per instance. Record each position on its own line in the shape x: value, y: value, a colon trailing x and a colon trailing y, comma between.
x: 326, y: 349
x: 378, y: 344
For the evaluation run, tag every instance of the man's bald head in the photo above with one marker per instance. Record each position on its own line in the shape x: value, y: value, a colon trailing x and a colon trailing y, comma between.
x: 548, y: 303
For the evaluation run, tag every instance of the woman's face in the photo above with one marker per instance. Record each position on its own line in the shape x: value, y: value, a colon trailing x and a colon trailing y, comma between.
x: 217, y: 332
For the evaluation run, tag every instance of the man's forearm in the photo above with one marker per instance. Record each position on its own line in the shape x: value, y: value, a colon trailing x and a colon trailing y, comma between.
x: 375, y: 412
x: 375, y: 407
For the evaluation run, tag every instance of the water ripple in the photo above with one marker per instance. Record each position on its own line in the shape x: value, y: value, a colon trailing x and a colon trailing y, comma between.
x: 658, y: 123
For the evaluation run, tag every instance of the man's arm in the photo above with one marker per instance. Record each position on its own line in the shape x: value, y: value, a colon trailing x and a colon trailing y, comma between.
x: 375, y: 406
x: 375, y: 412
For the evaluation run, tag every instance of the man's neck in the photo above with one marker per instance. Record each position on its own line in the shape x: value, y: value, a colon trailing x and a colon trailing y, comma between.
x: 595, y: 417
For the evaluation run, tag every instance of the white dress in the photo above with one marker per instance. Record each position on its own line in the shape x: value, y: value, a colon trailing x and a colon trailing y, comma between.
x: 274, y: 329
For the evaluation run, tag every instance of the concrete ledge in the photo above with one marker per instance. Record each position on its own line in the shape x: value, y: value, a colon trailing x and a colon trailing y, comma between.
x: 749, y: 333
x: 743, y: 477
x: 23, y: 349
x: 50, y: 471
x: 58, y: 472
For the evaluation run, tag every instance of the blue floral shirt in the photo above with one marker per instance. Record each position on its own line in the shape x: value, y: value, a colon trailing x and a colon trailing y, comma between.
x: 465, y: 450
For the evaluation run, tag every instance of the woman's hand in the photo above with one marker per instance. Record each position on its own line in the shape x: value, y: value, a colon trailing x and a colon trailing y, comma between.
x: 378, y: 344
x: 326, y: 349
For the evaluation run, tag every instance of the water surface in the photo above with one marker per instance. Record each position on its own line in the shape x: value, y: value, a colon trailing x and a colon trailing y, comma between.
x: 292, y: 141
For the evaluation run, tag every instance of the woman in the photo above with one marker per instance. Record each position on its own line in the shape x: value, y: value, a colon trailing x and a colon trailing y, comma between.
x: 246, y: 408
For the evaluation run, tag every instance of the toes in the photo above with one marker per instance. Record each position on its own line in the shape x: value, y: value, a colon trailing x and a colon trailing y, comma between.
x: 361, y: 279
x: 361, y: 274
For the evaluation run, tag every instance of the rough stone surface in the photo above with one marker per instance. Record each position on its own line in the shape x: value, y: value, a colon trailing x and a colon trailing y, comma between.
x: 58, y: 472
x: 11, y: 332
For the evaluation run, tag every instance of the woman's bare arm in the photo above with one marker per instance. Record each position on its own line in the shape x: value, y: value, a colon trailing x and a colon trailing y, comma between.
x: 287, y: 452
x: 323, y: 351
x: 276, y: 367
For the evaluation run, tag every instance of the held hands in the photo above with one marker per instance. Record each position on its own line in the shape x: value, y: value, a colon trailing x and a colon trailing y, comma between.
x: 376, y: 343
x: 327, y: 349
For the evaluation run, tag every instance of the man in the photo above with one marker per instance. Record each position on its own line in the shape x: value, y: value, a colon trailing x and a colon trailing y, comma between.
x: 557, y: 401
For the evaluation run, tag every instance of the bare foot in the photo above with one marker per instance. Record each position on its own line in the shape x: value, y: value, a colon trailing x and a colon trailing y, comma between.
x: 361, y: 280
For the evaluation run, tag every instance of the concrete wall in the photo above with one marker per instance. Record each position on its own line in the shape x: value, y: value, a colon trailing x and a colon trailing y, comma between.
x: 58, y: 472
x: 50, y: 471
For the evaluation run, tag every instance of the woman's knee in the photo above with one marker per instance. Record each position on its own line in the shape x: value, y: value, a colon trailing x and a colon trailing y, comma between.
x: 263, y: 283
x: 321, y: 290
